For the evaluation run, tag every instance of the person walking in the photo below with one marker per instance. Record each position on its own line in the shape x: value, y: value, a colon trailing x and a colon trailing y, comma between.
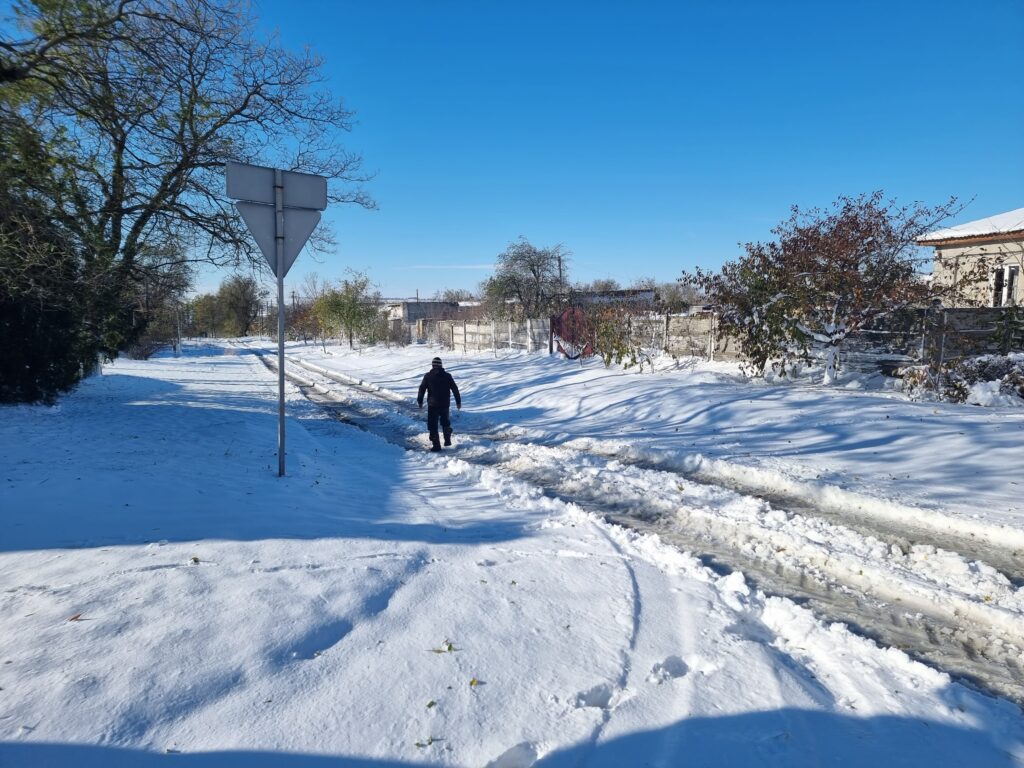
x: 439, y: 386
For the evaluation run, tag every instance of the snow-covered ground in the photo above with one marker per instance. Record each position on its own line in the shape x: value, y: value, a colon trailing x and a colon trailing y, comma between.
x: 161, y: 590
x: 961, y: 460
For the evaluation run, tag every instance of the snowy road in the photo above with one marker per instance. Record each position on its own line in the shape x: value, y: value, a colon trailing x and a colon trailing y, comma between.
x: 161, y: 591
x: 945, y: 598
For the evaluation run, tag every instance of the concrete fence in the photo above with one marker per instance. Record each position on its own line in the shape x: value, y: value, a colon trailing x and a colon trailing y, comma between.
x: 914, y: 336
x: 680, y: 335
x: 488, y: 335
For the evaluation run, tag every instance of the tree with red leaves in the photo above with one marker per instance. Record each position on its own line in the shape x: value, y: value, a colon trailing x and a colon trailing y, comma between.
x: 827, y: 274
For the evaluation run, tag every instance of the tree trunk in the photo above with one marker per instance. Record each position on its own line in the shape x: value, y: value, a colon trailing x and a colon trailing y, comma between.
x: 831, y: 364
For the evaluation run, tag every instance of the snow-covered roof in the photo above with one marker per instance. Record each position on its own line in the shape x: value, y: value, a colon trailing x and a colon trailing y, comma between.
x: 1000, y: 224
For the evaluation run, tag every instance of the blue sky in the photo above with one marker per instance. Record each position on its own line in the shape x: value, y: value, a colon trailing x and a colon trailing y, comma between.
x: 651, y: 137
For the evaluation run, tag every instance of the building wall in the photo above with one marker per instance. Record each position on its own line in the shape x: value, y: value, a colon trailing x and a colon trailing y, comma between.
x: 954, y: 260
x: 411, y: 311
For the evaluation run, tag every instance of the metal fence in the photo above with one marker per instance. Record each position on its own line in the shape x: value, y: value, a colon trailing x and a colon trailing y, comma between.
x: 934, y: 336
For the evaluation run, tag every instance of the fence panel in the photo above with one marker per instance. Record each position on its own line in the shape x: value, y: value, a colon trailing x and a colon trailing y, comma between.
x: 913, y: 336
x: 934, y: 336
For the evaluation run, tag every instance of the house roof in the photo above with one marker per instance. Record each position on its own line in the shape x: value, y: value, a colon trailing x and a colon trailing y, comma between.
x: 1011, y: 222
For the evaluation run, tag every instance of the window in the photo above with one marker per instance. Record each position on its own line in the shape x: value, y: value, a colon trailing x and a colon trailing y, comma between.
x: 1004, y: 285
x: 997, y: 286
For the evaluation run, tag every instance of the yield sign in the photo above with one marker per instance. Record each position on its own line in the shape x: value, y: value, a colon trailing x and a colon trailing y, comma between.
x: 299, y: 224
x: 280, y: 207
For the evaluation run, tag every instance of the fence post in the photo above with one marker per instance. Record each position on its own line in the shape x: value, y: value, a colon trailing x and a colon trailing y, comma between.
x: 529, y: 336
x: 711, y: 337
x: 509, y: 336
x: 924, y: 335
x: 942, y: 342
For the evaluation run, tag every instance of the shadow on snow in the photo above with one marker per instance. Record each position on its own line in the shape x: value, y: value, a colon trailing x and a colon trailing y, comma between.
x: 132, y: 460
x: 790, y: 737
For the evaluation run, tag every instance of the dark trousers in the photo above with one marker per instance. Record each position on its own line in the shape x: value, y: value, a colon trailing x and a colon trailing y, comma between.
x: 437, y: 413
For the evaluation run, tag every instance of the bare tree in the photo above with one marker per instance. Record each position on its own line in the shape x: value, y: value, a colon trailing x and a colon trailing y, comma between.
x: 313, y: 287
x: 141, y: 116
x: 676, y: 297
x: 454, y: 295
x: 529, y: 281
x: 600, y: 285
x: 63, y: 27
x: 116, y: 119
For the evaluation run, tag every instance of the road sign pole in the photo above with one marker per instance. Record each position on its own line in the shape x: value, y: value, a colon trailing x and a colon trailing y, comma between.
x: 279, y: 238
x: 281, y: 210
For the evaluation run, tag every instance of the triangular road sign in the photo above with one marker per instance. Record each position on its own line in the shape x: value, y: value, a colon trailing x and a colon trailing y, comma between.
x: 299, y: 224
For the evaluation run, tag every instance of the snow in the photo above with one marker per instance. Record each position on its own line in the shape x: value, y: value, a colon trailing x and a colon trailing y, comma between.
x: 1011, y: 221
x: 161, y: 590
x: 988, y: 394
x: 943, y: 464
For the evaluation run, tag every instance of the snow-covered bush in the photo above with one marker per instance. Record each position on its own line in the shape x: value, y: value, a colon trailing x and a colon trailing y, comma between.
x: 982, y: 380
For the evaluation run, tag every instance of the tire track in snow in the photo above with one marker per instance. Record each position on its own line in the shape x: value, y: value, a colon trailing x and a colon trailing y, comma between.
x: 981, y: 655
x: 897, y: 526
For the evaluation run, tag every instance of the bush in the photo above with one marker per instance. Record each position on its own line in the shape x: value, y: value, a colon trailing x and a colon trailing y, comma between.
x: 953, y: 382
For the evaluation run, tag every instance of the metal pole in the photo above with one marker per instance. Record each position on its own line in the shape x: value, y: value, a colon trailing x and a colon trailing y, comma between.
x: 279, y: 241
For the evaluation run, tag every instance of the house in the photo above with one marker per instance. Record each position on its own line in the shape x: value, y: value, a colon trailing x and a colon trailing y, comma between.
x: 411, y: 319
x: 998, y: 242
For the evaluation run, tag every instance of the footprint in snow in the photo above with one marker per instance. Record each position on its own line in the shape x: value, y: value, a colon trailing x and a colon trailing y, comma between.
x: 599, y: 697
x: 669, y: 669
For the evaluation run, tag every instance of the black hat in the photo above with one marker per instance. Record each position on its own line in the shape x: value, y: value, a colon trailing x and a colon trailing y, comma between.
x: 436, y: 362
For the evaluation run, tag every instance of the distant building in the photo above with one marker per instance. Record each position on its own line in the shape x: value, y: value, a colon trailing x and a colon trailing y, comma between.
x: 998, y: 241
x: 410, y: 319
x: 411, y: 310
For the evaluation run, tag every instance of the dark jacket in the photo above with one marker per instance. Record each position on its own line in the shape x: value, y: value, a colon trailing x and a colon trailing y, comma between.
x: 440, y: 385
